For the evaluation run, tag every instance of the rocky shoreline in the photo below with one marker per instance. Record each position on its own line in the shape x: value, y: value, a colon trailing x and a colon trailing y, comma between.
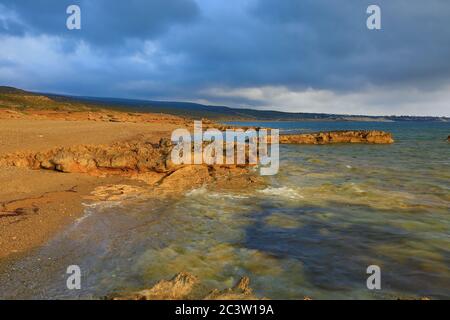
x: 63, y: 175
x: 151, y: 162
x: 345, y: 136
x: 142, y: 156
x: 138, y: 159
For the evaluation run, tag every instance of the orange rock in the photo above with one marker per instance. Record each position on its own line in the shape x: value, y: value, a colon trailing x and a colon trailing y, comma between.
x: 349, y: 136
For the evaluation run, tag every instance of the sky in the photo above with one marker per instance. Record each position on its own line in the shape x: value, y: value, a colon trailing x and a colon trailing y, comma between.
x: 287, y: 55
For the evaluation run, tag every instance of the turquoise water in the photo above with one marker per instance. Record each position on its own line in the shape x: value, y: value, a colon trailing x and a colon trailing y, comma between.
x: 329, y: 213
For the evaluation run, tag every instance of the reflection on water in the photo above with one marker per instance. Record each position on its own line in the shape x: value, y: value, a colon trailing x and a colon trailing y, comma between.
x: 329, y: 213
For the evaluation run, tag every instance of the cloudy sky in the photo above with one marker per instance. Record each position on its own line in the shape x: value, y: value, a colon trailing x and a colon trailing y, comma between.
x: 290, y: 55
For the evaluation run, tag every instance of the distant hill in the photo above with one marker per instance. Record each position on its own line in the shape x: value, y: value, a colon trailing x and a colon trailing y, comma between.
x: 12, y: 90
x: 13, y: 97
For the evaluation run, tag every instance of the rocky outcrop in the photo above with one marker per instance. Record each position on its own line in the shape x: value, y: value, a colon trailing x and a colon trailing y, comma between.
x: 448, y: 138
x: 136, y: 156
x: 135, y: 159
x: 185, y: 286
x: 349, y: 136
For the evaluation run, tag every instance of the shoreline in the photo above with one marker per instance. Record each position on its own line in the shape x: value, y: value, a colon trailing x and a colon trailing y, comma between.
x: 51, y: 161
x: 37, y: 204
x: 42, y: 148
x: 45, y: 205
x: 59, y: 189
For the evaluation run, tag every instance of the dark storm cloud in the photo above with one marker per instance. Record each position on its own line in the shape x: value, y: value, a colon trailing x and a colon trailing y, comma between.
x: 322, y: 44
x: 180, y: 49
x: 413, y: 45
x: 105, y: 22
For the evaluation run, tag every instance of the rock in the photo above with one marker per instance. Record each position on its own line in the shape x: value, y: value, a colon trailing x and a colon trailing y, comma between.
x: 178, y: 288
x: 241, y: 291
x: 118, y: 192
x: 125, y: 157
x: 349, y: 136
x: 22, y: 211
x: 187, y: 177
x: 185, y: 286
x: 136, y: 159
x: 126, y: 160
x: 448, y: 138
x: 63, y: 160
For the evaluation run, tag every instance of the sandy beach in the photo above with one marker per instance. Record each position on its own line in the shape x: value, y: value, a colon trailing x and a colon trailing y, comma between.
x: 37, y: 203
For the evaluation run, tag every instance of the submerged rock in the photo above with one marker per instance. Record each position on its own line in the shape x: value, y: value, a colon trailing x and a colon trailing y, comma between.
x: 179, y: 287
x: 347, y: 136
x: 241, y: 291
x: 186, y: 286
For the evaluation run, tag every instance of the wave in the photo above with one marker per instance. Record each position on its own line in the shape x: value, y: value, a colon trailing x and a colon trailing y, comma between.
x: 102, y: 204
x: 227, y: 196
x: 215, y: 195
x: 284, y: 192
x: 196, y: 192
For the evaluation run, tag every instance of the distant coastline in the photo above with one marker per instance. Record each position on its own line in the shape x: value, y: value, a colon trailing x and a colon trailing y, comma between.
x: 195, y: 110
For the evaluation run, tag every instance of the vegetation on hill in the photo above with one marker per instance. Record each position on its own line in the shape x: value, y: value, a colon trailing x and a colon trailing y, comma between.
x: 22, y: 100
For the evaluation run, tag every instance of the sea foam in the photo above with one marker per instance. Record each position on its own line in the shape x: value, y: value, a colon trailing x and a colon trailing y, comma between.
x: 284, y: 192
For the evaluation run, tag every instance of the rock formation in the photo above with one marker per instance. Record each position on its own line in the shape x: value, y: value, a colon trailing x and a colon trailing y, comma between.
x: 135, y: 159
x: 186, y: 286
x: 140, y: 156
x: 349, y: 136
x: 136, y: 156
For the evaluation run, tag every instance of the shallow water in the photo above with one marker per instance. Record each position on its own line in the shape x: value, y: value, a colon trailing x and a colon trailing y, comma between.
x: 329, y: 213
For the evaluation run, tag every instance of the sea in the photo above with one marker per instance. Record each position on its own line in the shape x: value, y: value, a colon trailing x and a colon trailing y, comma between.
x: 330, y: 213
